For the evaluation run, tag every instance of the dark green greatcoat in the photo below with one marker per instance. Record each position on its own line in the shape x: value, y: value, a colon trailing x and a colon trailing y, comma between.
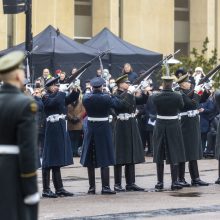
x: 167, y: 135
x: 127, y: 139
x: 191, y: 128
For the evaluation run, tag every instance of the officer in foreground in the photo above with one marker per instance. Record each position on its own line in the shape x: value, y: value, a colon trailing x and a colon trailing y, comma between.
x: 18, y: 143
x: 167, y: 136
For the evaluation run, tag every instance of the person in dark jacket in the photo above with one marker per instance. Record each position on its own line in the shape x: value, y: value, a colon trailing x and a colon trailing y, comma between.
x: 191, y: 132
x: 217, y: 145
x: 211, y: 137
x: 167, y: 136
x: 41, y: 119
x: 97, y: 150
x: 19, y: 195
x: 57, y: 151
x: 127, y: 140
x: 205, y: 109
x: 127, y: 69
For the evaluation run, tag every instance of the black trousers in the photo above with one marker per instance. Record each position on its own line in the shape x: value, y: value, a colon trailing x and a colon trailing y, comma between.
x: 105, y: 177
x: 56, y: 177
x: 129, y: 174
x: 211, y: 139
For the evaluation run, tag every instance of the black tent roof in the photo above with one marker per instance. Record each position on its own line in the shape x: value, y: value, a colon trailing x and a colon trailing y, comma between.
x: 51, y: 40
x: 105, y: 40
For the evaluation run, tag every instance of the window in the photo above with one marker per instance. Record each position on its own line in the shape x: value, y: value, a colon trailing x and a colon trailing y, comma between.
x: 181, y: 35
x: 83, y: 20
x: 10, y: 24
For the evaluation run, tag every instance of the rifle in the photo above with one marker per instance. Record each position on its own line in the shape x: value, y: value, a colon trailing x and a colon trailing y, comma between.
x: 209, y: 75
x: 85, y: 66
x: 154, y: 67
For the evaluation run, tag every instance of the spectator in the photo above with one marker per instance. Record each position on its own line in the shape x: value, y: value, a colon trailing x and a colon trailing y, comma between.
x: 62, y: 79
x: 211, y: 138
x: 75, y: 115
x: 205, y: 109
x: 45, y: 76
x: 198, y: 74
x: 58, y: 72
x: 129, y: 70
x: 41, y: 119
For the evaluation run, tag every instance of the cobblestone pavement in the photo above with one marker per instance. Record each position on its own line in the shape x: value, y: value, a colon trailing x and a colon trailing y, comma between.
x: 189, y: 203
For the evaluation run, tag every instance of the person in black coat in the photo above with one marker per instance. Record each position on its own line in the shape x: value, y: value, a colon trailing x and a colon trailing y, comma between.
x: 41, y: 119
x: 217, y: 145
x: 211, y: 137
x: 57, y: 151
x: 205, y: 109
x: 191, y: 132
x: 97, y: 150
x: 127, y: 140
x: 167, y: 136
x: 19, y: 195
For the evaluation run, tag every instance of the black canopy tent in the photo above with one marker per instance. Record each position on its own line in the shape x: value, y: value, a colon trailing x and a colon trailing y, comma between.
x: 122, y: 52
x: 53, y: 50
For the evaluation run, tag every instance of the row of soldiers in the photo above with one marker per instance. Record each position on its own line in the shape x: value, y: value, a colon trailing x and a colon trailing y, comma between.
x: 176, y: 137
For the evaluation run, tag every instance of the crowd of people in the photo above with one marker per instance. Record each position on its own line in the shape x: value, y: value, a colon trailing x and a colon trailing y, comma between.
x: 145, y: 113
x: 110, y: 122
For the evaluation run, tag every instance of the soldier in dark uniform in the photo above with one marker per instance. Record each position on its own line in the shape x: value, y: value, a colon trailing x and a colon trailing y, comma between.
x: 57, y: 150
x: 191, y: 133
x: 127, y: 140
x: 19, y: 195
x: 217, y: 144
x: 167, y: 136
x: 98, y: 148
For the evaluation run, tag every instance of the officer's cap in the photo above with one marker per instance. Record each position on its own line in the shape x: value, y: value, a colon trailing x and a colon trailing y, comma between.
x: 180, y: 72
x: 168, y: 78
x: 52, y: 81
x: 11, y: 61
x: 97, y: 82
x: 122, y: 79
x: 184, y: 78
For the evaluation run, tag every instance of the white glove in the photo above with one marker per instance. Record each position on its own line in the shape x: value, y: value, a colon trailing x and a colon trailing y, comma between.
x: 198, y: 88
x: 131, y: 89
x: 77, y: 83
x: 208, y: 86
x: 32, y: 199
x: 63, y: 87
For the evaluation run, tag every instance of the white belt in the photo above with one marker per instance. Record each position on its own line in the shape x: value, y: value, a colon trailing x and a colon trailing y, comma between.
x: 97, y: 119
x: 9, y: 149
x: 125, y: 116
x: 190, y: 114
x: 168, y: 117
x: 55, y: 118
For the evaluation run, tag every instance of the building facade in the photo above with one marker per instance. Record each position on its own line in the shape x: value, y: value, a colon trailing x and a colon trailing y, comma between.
x: 160, y: 25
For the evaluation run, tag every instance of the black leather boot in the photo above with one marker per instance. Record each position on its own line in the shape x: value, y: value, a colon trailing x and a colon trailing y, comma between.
x: 47, y: 193
x: 181, y: 175
x: 218, y: 180
x: 194, y: 173
x: 174, y: 171
x: 91, y: 175
x: 160, y: 171
x: 58, y: 184
x: 105, y: 181
x: 118, y: 176
x: 130, y: 178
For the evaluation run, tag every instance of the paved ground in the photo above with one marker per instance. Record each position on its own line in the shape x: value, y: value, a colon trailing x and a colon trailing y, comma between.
x: 191, y: 203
